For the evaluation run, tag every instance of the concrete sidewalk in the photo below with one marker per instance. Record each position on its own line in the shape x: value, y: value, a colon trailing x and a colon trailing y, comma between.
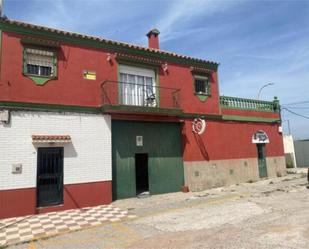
x: 270, y: 214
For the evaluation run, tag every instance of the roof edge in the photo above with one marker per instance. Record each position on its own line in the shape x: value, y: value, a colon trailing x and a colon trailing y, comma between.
x: 93, y: 41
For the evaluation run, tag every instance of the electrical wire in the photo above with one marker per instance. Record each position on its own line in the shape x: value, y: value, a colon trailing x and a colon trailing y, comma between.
x: 296, y: 103
x: 299, y: 107
x: 297, y: 114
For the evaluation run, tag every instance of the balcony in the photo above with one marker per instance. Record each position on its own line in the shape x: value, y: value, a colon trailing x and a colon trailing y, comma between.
x: 249, y: 104
x: 126, y: 97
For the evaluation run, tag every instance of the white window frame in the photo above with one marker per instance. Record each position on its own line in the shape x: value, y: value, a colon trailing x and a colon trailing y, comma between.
x: 136, y: 94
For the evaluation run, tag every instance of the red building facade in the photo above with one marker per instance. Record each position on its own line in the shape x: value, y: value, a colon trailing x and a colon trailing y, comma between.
x: 166, y: 124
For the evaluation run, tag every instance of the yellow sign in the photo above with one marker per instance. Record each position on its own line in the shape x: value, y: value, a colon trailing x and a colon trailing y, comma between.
x: 89, y: 75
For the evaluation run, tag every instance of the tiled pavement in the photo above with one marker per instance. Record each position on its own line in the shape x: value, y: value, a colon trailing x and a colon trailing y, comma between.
x: 15, y: 230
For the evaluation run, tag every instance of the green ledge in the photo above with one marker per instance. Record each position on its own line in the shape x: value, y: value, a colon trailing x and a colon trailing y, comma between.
x: 250, y: 119
x: 48, y: 107
x: 141, y: 109
x: 131, y: 109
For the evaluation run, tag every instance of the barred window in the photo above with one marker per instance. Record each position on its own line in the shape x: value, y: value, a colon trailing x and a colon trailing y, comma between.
x: 39, y: 62
x: 201, y: 85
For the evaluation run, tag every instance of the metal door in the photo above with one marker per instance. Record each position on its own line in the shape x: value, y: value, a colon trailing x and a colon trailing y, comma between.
x: 50, y: 176
x: 262, y: 160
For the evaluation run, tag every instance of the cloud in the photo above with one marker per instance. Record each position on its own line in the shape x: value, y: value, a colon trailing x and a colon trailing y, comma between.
x: 179, y: 15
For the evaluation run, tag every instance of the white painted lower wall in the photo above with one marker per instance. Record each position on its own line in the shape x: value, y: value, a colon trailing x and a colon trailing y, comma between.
x: 288, y: 143
x: 86, y: 159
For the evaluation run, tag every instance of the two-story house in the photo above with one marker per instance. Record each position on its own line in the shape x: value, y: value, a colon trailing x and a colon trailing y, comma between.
x: 86, y: 120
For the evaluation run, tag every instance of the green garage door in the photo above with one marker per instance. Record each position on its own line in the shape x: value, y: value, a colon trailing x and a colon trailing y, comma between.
x: 157, y: 143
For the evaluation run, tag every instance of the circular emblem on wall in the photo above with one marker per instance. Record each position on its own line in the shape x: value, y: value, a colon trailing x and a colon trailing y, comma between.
x: 198, y: 126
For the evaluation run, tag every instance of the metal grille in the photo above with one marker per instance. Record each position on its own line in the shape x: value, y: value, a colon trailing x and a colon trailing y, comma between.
x: 201, y: 86
x: 50, y: 176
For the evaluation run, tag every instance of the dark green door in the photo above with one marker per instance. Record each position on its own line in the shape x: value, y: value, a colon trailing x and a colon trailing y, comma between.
x: 161, y: 143
x: 262, y: 160
x: 50, y: 176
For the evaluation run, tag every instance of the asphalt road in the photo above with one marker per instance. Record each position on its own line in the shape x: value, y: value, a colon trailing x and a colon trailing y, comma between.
x: 272, y: 214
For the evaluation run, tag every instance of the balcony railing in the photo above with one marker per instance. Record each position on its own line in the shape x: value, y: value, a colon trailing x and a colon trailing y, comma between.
x: 140, y: 95
x: 249, y: 104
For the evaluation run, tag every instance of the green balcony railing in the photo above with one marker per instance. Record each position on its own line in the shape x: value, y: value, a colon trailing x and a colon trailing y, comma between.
x: 249, y: 104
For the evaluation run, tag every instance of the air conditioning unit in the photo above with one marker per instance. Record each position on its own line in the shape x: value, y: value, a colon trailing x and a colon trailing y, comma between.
x: 5, y: 116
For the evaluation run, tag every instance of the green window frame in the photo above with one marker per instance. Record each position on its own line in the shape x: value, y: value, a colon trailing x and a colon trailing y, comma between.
x: 40, y: 63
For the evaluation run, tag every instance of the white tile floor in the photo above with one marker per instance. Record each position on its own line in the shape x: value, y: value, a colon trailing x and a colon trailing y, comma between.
x: 20, y: 229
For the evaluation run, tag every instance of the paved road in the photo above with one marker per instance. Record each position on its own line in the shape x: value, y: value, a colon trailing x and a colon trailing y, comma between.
x: 267, y: 214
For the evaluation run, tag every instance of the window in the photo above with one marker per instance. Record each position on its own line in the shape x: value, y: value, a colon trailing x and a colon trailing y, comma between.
x: 201, y: 85
x: 137, y: 86
x: 39, y: 62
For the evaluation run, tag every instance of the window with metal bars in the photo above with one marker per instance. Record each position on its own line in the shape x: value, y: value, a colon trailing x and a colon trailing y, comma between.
x: 201, y: 85
x: 39, y: 62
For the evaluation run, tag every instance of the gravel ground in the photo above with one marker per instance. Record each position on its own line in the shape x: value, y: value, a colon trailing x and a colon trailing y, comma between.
x: 271, y: 214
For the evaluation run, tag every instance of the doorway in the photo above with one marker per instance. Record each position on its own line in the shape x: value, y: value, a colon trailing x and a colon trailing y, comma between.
x: 50, y: 176
x: 262, y: 160
x: 141, y: 173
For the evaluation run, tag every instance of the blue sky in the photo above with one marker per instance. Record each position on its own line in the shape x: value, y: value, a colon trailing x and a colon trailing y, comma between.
x: 255, y: 42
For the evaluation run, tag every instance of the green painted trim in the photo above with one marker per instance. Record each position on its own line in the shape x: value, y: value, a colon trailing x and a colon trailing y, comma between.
x: 200, y: 115
x: 39, y: 80
x: 154, y: 31
x: 0, y: 52
x: 92, y: 42
x: 202, y: 97
x: 130, y: 109
x: 141, y: 109
x: 250, y: 119
x: 48, y: 107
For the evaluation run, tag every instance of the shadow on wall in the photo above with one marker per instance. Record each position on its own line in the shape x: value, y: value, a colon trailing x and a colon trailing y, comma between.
x: 68, y: 193
x: 69, y: 149
x: 201, y: 146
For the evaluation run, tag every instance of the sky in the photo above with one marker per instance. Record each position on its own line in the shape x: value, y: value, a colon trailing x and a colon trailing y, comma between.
x: 256, y: 42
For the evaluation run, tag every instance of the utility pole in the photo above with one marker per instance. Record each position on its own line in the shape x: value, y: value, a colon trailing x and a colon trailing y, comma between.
x: 1, y: 8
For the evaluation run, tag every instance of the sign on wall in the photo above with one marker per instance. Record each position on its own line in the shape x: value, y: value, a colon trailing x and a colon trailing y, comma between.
x: 89, y: 75
x: 260, y: 137
x: 139, y: 140
x: 4, y: 116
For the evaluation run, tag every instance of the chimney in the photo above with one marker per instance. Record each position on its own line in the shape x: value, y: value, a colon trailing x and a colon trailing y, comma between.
x: 153, y: 38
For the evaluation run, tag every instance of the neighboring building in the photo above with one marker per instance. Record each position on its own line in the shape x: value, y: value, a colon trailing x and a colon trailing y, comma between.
x: 87, y: 120
x: 302, y: 153
x: 289, y: 151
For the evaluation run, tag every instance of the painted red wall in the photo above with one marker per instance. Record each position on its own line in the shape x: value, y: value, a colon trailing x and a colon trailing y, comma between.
x: 181, y: 77
x: 71, y: 89
x: 228, y: 140
x: 19, y: 202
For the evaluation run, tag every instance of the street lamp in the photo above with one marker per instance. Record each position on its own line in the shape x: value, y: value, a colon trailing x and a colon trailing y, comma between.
x: 268, y: 84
